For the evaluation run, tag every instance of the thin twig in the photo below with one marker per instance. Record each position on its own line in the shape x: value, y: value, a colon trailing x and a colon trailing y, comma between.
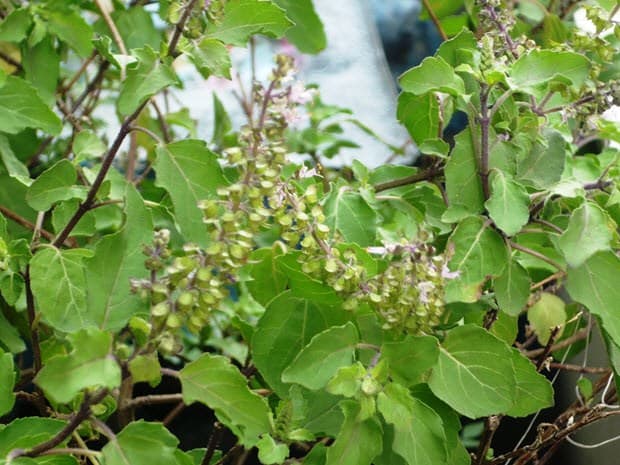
x: 414, y: 178
x: 149, y: 133
x: 153, y: 399
x: 214, y: 440
x: 536, y: 254
x: 10, y: 60
x: 32, y: 321
x: 174, y: 413
x: 547, y: 280
x: 163, y: 125
x: 72, y: 451
x: 484, y: 154
x: 10, y: 214
x: 116, y: 35
x: 578, y: 336
x: 169, y: 372
x: 435, y: 19
x: 578, y: 368
x: 178, y: 28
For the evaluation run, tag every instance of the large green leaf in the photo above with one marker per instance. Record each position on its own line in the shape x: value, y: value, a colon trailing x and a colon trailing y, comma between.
x: 21, y: 107
x: 307, y: 34
x: 25, y: 433
x: 190, y: 173
x: 118, y: 258
x: 420, y: 115
x: 534, y: 391
x: 590, y: 230
x: 411, y: 358
x: 463, y: 185
x: 90, y: 363
x: 141, y: 443
x: 348, y: 212
x: 59, y: 287
x: 595, y: 285
x: 215, y: 382
x: 287, y: 326
x: 7, y: 381
x: 43, y: 56
x: 144, y: 79
x: 512, y: 288
x: 323, y: 356
x: 14, y: 167
x: 479, y: 251
x: 358, y: 442
x: 14, y: 27
x: 474, y: 373
x: 211, y: 58
x: 136, y: 27
x: 55, y: 184
x: 508, y: 205
x: 544, y: 164
x: 244, y: 18
x: 432, y: 75
x: 419, y: 435
x: 302, y: 283
x: 268, y: 281
x: 70, y: 27
x: 540, y: 67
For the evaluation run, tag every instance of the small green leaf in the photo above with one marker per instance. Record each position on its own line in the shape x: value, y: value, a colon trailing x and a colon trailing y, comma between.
x: 534, y: 391
x: 89, y: 364
x: 420, y: 115
x: 270, y: 452
x: 508, y: 205
x: 145, y: 368
x: 411, y: 358
x: 358, y: 442
x: 14, y: 27
x: 62, y: 214
x: 7, y: 381
x: 302, y: 283
x: 244, y: 18
x: 323, y: 356
x: 211, y: 58
x: 432, y: 75
x: 548, y: 312
x: 9, y: 335
x: 307, y: 34
x: 474, y: 373
x: 21, y: 107
x: 141, y: 443
x: 512, y: 288
x: 347, y: 381
x: 14, y: 167
x: 215, y: 382
x: 544, y: 165
x: 589, y: 230
x: 71, y: 28
x: 349, y: 213
x: 88, y: 146
x: 539, y: 67
x: 144, y: 79
x: 55, y: 184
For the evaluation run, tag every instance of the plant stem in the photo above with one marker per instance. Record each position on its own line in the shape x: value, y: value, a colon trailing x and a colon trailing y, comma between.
x: 490, y: 427
x: 72, y: 451
x: 435, y: 19
x: 536, y: 254
x: 214, y: 440
x: 153, y: 399
x: 178, y: 28
x: 578, y: 368
x: 27, y: 224
x: 485, y: 121
x: 32, y: 323
x: 578, y: 336
x: 417, y: 177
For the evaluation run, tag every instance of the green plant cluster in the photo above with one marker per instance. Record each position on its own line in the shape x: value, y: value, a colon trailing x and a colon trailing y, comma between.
x: 325, y: 317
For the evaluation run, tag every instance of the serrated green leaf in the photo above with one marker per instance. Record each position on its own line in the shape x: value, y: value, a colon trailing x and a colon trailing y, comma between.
x: 14, y: 167
x: 25, y: 433
x: 59, y: 287
x: 420, y: 115
x: 323, y: 356
x: 419, y: 435
x: 55, y: 184
x: 118, y: 259
x: 14, y: 27
x: 144, y: 79
x: 348, y: 212
x: 211, y: 58
x: 215, y: 382
x: 244, y: 18
x: 141, y: 443
x: 287, y: 326
x: 270, y: 452
x: 21, y: 107
x: 534, y: 391
x: 463, y: 185
x: 543, y: 165
x: 7, y: 381
x: 595, y: 285
x: 347, y: 448
x: 89, y: 364
x: 189, y: 172
x: 540, y: 67
x: 548, y: 312
x: 69, y: 26
x: 474, y: 373
x: 307, y: 34
x: 432, y: 75
x: 479, y: 251
x: 508, y: 204
x: 512, y: 288
x: 589, y: 231
x: 411, y: 358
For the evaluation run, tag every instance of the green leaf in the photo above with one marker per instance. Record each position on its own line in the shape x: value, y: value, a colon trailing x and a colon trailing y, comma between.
x: 358, y: 442
x: 59, y: 287
x: 25, y: 433
x: 316, y: 411
x: 348, y: 212
x: 215, y: 382
x: 540, y: 67
x: 268, y: 281
x: 270, y: 452
x: 347, y: 381
x: 63, y: 212
x: 14, y: 167
x: 118, y: 258
x: 69, y: 26
x: 432, y: 75
x: 420, y: 115
x: 303, y: 284
x: 534, y: 391
x: 7, y: 381
x: 548, y: 312
x: 90, y: 363
x: 479, y: 251
x: 287, y: 326
x: 455, y: 50
x: 411, y: 358
x: 14, y: 27
x: 189, y: 172
x: 589, y: 230
x: 244, y: 18
x: 463, y: 185
x: 141, y: 443
x: 512, y: 288
x: 419, y: 435
x: 474, y: 373
x: 9, y: 335
x: 87, y: 146
x: 211, y: 58
x: 144, y: 79
x: 55, y: 184
x: 595, y: 285
x: 43, y: 56
x: 136, y: 27
x: 544, y: 165
x: 323, y: 356
x: 222, y: 124
x: 145, y: 368
x: 508, y: 205
x: 21, y: 107
x: 307, y: 34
